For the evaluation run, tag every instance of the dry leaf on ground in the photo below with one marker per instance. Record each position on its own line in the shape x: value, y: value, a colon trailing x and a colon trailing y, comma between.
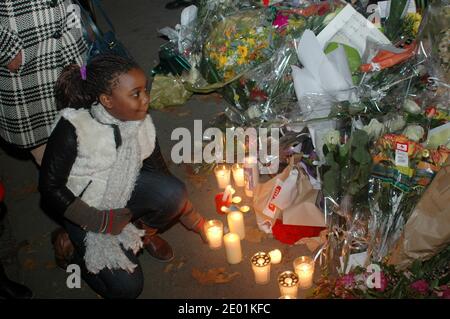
x: 196, y: 179
x: 254, y: 235
x: 30, y: 264
x: 213, y: 276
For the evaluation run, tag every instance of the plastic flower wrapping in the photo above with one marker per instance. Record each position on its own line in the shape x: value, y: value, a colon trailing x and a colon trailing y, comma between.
x: 361, y: 101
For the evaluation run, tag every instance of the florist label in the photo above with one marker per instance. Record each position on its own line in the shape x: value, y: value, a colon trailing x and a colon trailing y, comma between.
x: 401, y: 155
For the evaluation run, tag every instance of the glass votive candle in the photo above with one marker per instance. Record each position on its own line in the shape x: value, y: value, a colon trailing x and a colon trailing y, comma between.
x: 223, y: 174
x: 261, y: 267
x: 304, y: 268
x: 238, y: 175
x: 288, y: 284
x: 214, y: 233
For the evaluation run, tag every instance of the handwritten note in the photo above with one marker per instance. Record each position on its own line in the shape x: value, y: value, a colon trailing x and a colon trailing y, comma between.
x: 351, y: 28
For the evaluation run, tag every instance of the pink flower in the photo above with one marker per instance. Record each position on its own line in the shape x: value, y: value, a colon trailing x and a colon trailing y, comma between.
x: 383, y: 283
x: 444, y: 292
x: 421, y: 286
x: 280, y: 21
x: 347, y: 281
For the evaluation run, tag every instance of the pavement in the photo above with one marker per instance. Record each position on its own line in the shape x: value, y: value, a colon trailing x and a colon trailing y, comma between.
x: 25, y: 246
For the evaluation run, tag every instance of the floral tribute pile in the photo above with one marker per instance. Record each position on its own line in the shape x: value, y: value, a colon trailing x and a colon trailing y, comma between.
x: 377, y: 122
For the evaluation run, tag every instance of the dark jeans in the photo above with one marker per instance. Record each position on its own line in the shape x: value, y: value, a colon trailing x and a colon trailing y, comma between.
x: 158, y: 200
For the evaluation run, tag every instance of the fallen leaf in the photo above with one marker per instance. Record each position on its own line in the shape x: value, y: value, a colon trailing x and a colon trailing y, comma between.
x: 196, y: 179
x: 183, y: 114
x: 50, y: 265
x: 213, y: 276
x: 168, y: 268
x: 30, y: 264
x: 254, y: 235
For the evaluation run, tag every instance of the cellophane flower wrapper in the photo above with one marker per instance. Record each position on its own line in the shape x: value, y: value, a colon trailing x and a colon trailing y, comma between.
x: 395, y: 189
x: 434, y: 36
x: 264, y: 93
x: 257, y: 45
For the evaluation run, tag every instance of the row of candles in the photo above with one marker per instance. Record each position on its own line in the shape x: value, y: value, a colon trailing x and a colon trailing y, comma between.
x: 288, y: 281
x: 247, y: 176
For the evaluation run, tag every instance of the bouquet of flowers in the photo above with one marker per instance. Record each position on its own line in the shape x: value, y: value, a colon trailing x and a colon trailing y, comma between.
x: 240, y: 42
x: 428, y: 279
x: 402, y: 169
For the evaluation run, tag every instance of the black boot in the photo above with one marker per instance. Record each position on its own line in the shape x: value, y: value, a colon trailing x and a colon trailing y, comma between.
x: 10, y: 289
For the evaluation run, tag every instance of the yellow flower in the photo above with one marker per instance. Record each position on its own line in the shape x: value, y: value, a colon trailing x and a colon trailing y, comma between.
x: 416, y: 19
x: 243, y: 51
x: 222, y: 61
x: 229, y: 74
x: 241, y: 60
x: 251, y: 41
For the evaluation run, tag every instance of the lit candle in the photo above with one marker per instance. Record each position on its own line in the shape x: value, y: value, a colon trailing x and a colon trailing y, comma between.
x: 261, y: 267
x: 245, y: 209
x: 236, y: 223
x: 233, y: 248
x: 238, y: 175
x: 214, y: 233
x: 236, y: 200
x: 222, y: 175
x: 304, y: 268
x: 288, y: 284
x: 275, y: 256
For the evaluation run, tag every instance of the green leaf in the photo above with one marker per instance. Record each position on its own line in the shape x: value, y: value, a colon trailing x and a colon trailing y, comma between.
x: 361, y: 156
x: 330, y: 184
x: 360, y: 138
x: 343, y: 149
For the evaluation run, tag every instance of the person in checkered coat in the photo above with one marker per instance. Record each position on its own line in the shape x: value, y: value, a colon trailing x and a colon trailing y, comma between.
x: 38, y: 38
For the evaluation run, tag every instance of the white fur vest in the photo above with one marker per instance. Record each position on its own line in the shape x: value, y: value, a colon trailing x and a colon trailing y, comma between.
x: 96, y: 153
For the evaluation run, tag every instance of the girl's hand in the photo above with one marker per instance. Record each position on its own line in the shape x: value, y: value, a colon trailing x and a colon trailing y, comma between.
x: 15, y: 64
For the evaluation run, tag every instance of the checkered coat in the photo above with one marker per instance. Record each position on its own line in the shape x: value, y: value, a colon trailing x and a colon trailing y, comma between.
x: 48, y: 36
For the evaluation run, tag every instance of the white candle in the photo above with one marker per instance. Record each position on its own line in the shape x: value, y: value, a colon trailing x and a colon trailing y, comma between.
x: 236, y: 200
x: 236, y: 223
x: 222, y: 175
x: 304, y: 268
x: 261, y: 267
x: 288, y: 284
x: 238, y: 175
x: 214, y: 233
x: 233, y: 248
x: 245, y: 209
x: 275, y: 256
x: 251, y: 175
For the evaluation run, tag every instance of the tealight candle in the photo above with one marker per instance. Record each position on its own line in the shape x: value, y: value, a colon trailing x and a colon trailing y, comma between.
x: 236, y: 200
x: 288, y: 284
x: 236, y: 223
x: 261, y: 267
x: 304, y: 268
x: 222, y: 173
x: 245, y: 209
x: 214, y: 233
x: 233, y: 248
x: 275, y: 256
x: 238, y: 175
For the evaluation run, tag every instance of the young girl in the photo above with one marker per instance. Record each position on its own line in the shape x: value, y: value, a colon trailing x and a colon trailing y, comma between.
x: 103, y: 173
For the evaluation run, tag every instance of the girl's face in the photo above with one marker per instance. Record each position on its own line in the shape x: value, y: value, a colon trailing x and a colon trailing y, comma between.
x: 129, y: 99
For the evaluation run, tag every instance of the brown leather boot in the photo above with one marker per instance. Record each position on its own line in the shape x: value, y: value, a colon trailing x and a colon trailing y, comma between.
x: 63, y: 248
x: 157, y: 247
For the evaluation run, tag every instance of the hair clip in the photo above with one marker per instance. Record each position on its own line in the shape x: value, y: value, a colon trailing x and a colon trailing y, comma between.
x: 83, y: 71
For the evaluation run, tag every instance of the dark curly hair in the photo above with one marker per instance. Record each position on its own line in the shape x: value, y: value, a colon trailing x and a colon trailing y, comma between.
x: 102, y: 76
